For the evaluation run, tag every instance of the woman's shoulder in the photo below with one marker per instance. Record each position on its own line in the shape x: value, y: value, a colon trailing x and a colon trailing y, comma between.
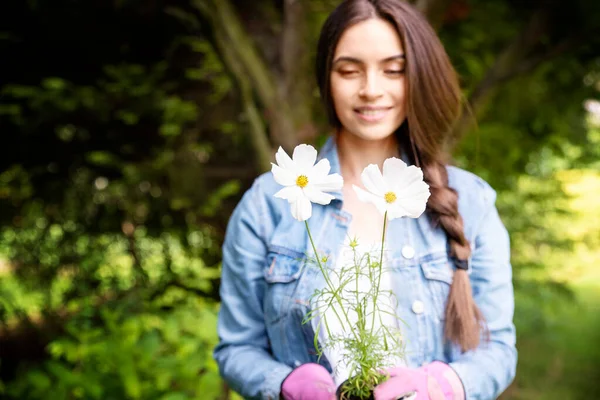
x: 258, y: 199
x: 265, y: 183
x: 476, y: 198
x: 470, y: 187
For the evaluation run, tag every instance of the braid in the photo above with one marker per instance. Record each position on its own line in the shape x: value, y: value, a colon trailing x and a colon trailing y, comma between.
x: 464, y: 320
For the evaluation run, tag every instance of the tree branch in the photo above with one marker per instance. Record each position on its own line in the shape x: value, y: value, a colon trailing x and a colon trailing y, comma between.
x: 245, y: 62
x: 258, y: 130
x: 564, y: 46
x: 504, y: 68
x: 128, y: 229
x: 296, y: 85
x: 517, y: 59
x: 515, y: 52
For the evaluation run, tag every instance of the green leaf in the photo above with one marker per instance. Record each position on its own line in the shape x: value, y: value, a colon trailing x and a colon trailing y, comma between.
x: 54, y: 83
x: 102, y: 158
x: 170, y: 129
x: 176, y: 396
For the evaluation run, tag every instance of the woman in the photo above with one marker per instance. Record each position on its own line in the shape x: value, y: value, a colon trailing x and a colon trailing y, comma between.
x: 389, y: 90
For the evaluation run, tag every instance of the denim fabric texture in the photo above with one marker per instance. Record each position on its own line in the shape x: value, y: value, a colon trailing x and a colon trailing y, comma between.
x: 266, y: 286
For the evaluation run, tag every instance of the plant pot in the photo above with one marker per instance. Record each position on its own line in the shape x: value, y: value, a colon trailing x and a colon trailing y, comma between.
x: 350, y: 397
x: 338, y: 395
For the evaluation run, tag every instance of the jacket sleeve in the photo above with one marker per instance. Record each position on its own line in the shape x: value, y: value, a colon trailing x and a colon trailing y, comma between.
x: 243, y: 353
x: 488, y: 370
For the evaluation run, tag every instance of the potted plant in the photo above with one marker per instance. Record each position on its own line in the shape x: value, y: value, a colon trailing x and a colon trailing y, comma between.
x: 355, y: 316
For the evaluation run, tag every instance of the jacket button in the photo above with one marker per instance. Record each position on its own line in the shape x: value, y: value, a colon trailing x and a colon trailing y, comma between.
x: 408, y: 252
x: 418, y: 307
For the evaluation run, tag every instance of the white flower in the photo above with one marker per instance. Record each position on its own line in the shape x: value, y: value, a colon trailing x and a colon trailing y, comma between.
x: 305, y: 183
x: 400, y: 191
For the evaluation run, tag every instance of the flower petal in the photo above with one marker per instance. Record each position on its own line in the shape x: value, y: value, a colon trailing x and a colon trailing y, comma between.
x: 412, y: 208
x: 373, y: 181
x: 317, y: 196
x: 330, y: 183
x: 368, y: 197
x: 396, y: 211
x: 284, y: 161
x: 301, y: 208
x: 283, y: 176
x: 393, y: 169
x: 411, y: 175
x: 289, y: 193
x: 304, y: 157
x: 417, y: 189
x: 319, y: 171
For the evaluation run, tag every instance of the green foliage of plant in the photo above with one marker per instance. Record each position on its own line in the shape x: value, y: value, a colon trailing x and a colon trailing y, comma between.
x: 123, y: 338
x: 557, y: 324
x: 131, y: 350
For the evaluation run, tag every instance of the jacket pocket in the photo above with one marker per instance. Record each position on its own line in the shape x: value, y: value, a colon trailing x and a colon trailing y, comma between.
x: 282, y: 272
x: 283, y: 265
x: 438, y: 275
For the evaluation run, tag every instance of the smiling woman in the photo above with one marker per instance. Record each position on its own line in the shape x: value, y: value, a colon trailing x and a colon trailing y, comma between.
x: 390, y: 92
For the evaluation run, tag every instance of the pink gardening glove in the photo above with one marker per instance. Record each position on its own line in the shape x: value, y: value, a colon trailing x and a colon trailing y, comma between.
x: 449, y: 383
x: 308, y: 382
x: 435, y: 381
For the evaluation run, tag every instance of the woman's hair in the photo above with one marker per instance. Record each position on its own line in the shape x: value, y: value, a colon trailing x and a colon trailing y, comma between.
x: 433, y: 105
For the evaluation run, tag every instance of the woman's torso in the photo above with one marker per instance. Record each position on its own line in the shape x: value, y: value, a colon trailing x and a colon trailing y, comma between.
x: 420, y: 269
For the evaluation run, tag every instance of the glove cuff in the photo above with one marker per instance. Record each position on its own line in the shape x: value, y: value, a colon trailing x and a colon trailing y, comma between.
x: 448, y: 380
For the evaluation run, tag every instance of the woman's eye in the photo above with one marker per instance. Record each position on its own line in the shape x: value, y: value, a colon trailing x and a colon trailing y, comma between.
x: 348, y: 72
x: 394, y: 71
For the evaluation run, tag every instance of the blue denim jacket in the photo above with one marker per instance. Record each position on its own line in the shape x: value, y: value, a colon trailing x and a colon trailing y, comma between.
x: 265, y: 288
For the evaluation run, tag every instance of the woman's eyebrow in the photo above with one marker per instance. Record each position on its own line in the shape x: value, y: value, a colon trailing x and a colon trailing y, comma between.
x: 359, y: 61
x: 394, y: 58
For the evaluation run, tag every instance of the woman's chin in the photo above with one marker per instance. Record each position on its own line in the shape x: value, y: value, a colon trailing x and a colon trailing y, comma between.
x: 373, y: 134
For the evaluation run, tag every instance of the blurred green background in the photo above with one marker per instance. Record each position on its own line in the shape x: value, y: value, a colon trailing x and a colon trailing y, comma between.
x: 130, y: 129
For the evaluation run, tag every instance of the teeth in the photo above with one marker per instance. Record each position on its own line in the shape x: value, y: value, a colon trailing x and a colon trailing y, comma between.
x: 371, y: 112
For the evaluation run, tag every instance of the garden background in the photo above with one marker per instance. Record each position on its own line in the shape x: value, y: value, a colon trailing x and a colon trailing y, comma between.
x: 130, y: 129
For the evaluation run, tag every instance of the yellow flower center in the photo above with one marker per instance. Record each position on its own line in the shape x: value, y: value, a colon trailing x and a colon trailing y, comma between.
x: 302, y: 181
x: 390, y: 197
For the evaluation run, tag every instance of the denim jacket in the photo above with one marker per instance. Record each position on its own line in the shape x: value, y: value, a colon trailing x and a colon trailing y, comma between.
x: 265, y: 287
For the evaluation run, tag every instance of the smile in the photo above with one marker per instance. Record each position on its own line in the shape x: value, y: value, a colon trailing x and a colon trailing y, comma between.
x: 372, y: 114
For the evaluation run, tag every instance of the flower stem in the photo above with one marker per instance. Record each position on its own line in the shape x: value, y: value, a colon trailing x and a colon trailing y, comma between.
x: 330, y: 284
x: 380, y: 270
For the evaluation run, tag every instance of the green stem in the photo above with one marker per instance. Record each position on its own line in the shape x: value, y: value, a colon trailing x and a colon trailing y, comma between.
x: 328, y: 281
x: 380, y: 270
x: 360, y: 323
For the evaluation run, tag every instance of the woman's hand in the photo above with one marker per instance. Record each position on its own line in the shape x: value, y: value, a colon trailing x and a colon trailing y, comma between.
x: 308, y: 382
x: 435, y: 381
x: 403, y: 384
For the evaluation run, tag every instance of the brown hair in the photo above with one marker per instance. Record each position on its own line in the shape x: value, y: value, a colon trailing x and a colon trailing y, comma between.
x: 433, y: 105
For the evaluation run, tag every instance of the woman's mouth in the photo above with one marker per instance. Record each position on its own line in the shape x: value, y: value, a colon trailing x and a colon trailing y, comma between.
x: 371, y: 114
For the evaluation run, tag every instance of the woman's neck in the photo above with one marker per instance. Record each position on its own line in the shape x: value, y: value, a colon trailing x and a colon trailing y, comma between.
x: 356, y: 153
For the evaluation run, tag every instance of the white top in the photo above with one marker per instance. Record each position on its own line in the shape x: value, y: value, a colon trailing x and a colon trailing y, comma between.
x: 335, y: 355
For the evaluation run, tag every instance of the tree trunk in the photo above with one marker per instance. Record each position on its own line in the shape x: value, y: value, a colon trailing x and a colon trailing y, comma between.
x: 260, y: 87
x: 296, y: 84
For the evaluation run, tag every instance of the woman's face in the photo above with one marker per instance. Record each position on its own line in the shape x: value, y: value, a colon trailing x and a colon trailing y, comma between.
x: 368, y: 85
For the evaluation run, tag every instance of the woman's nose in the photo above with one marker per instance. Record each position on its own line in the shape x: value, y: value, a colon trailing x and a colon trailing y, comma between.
x: 371, y: 86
